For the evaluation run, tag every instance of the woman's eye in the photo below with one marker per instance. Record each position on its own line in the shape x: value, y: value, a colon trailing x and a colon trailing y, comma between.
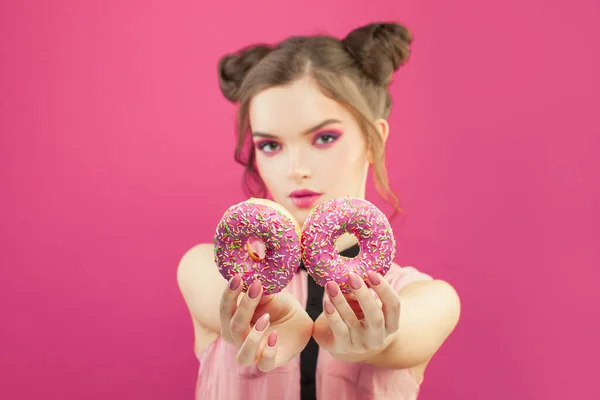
x: 268, y: 147
x: 326, y: 139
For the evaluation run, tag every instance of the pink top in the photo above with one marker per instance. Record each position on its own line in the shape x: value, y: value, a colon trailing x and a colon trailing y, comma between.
x: 221, y: 378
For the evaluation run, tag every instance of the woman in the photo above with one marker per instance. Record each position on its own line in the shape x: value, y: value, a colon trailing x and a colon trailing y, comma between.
x: 312, y: 123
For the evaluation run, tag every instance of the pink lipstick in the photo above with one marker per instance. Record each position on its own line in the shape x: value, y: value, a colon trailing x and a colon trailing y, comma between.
x: 304, y: 198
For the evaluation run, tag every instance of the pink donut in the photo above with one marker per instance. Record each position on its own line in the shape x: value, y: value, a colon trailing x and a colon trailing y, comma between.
x: 268, y: 222
x: 328, y: 221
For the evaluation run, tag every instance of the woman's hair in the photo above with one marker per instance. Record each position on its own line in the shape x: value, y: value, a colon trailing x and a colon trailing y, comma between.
x: 354, y: 71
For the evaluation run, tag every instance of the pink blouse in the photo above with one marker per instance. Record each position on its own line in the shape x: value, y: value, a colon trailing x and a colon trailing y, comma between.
x: 221, y: 378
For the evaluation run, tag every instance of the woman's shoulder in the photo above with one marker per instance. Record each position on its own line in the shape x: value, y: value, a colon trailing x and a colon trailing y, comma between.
x: 197, y: 265
x: 196, y: 261
x: 199, y: 251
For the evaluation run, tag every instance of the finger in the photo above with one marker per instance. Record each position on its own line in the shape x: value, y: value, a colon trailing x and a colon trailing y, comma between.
x: 267, y: 358
x: 228, y: 305
x: 345, y: 311
x: 375, y: 296
x: 374, y: 317
x: 240, y: 322
x: 350, y: 297
x: 248, y: 353
x: 339, y: 328
x: 390, y: 301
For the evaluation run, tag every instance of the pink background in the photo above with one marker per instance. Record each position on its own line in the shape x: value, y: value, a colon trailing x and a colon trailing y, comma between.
x: 115, y: 137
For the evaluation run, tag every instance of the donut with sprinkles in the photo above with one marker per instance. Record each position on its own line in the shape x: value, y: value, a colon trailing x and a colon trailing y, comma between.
x: 327, y: 222
x: 262, y: 221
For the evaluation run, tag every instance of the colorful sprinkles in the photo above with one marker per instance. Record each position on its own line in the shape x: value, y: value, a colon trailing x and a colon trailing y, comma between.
x: 253, y: 218
x: 328, y: 221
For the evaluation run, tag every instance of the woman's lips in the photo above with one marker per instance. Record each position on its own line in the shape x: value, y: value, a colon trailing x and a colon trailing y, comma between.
x: 304, y: 198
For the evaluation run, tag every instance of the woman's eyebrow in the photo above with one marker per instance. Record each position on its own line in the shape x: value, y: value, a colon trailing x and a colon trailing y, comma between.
x: 314, y: 128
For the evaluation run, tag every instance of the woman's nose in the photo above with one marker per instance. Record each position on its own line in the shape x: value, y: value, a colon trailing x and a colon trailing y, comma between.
x: 299, y: 166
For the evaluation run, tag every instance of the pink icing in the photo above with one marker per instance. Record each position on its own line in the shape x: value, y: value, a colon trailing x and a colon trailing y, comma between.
x: 251, y: 221
x: 331, y: 219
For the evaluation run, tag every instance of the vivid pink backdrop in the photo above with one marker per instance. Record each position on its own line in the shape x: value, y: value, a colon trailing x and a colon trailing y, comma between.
x: 116, y: 157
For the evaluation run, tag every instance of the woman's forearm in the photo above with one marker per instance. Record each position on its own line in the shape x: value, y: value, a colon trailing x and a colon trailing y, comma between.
x: 429, y: 312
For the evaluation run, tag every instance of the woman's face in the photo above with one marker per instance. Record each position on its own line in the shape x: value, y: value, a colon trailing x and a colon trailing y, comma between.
x: 309, y: 149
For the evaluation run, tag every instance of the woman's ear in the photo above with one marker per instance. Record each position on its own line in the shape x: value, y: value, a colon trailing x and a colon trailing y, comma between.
x: 384, y: 130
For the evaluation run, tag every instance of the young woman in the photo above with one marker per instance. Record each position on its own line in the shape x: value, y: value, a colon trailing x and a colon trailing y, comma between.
x: 312, y: 124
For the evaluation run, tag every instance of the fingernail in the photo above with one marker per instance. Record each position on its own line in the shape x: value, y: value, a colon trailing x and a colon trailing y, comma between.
x: 332, y: 289
x: 355, y: 281
x: 272, y: 339
x: 329, y: 307
x: 262, y: 322
x: 374, y: 278
x: 235, y: 282
x: 254, y: 289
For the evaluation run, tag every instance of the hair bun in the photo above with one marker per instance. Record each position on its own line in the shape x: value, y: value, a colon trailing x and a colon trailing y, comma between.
x: 379, y: 49
x: 233, y: 68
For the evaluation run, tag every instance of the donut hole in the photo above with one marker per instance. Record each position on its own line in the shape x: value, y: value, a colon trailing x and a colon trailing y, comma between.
x: 256, y: 248
x: 345, y: 241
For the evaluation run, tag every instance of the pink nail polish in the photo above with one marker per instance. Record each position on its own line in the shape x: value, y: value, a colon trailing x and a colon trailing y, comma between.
x: 374, y: 278
x: 355, y: 281
x: 272, y: 339
x: 262, y: 322
x: 332, y: 289
x: 254, y: 290
x: 235, y: 282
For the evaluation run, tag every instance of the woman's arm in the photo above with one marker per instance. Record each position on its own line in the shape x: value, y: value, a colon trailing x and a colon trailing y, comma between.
x: 403, y: 330
x: 429, y: 312
x: 218, y: 310
x: 202, y: 287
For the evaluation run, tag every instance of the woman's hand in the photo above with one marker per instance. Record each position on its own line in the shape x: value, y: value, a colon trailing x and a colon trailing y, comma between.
x: 267, y: 330
x: 357, y: 326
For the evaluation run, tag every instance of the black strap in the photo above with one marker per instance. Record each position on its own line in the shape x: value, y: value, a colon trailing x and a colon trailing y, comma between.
x: 308, y: 356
